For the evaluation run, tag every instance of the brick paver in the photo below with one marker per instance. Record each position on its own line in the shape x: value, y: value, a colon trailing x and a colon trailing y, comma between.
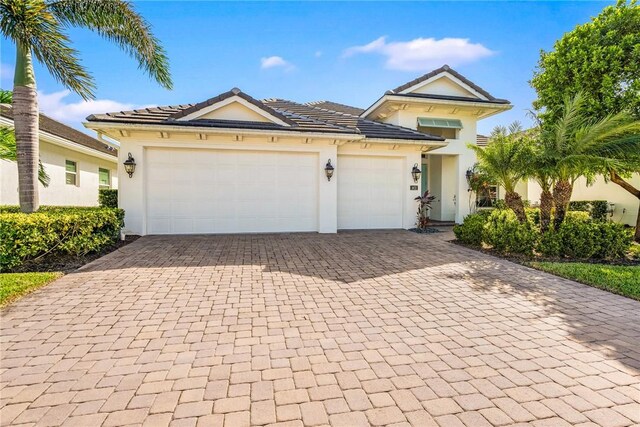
x: 359, y: 328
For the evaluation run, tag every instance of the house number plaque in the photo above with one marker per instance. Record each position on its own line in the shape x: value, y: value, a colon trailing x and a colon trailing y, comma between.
x: 413, y: 187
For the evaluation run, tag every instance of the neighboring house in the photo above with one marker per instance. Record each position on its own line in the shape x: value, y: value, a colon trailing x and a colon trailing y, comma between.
x: 234, y: 164
x: 624, y: 205
x: 76, y: 163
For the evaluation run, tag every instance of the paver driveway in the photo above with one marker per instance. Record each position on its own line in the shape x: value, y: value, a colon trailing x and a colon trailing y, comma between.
x: 351, y: 329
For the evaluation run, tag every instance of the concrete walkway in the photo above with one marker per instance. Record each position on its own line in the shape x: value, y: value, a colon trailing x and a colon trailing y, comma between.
x: 359, y: 328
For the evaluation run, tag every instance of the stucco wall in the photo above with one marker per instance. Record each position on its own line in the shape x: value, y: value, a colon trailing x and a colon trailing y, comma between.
x: 132, y: 190
x: 457, y: 158
x: 58, y: 193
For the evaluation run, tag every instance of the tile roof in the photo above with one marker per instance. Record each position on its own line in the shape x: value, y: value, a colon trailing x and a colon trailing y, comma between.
x: 54, y: 127
x: 302, y: 118
x: 369, y: 128
x: 446, y: 69
x: 482, y: 140
x: 335, y: 106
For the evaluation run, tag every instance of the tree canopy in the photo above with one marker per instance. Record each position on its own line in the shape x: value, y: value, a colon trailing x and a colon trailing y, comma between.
x: 600, y: 58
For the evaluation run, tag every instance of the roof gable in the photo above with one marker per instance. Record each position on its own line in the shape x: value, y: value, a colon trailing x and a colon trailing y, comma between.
x: 444, y: 81
x: 233, y: 105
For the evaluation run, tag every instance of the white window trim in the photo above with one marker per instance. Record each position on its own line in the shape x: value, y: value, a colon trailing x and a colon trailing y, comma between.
x: 76, y: 173
x: 108, y: 186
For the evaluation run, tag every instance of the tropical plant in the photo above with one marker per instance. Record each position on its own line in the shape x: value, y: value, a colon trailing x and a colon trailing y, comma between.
x: 600, y: 58
x: 8, y: 142
x: 504, y: 161
x: 37, y: 28
x: 480, y: 184
x: 424, y: 206
x: 577, y: 146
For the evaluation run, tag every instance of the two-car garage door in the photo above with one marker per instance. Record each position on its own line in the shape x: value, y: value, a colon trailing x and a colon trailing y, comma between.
x: 190, y: 191
x: 228, y: 191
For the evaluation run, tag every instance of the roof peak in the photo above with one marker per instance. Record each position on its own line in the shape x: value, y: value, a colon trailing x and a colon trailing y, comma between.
x: 443, y: 69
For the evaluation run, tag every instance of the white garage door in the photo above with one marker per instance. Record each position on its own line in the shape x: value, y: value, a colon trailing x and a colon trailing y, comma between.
x: 369, y: 192
x: 224, y: 191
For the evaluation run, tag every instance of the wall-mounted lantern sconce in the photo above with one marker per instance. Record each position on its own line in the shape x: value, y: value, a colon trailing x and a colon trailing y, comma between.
x: 469, y: 176
x: 130, y: 165
x: 328, y: 170
x: 415, y: 173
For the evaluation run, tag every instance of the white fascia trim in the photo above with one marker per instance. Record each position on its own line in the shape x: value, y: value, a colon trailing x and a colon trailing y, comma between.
x: 410, y: 99
x: 65, y: 143
x: 222, y: 131
x: 231, y: 100
x: 435, y: 144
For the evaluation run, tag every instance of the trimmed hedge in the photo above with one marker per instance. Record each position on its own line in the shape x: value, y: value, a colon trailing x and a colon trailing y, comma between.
x: 579, y: 237
x: 55, y: 230
x: 597, y: 208
x: 507, y: 235
x: 470, y: 231
x: 108, y: 198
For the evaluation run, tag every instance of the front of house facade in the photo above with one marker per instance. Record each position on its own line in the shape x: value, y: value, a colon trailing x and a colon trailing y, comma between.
x: 77, y: 165
x: 234, y: 164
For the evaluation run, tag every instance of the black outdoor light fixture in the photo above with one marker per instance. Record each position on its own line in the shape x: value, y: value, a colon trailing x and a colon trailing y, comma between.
x: 130, y: 165
x: 415, y: 173
x: 328, y: 170
x: 469, y: 176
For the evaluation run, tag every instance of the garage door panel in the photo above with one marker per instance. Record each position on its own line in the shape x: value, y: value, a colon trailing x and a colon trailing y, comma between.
x: 370, y: 192
x: 224, y: 191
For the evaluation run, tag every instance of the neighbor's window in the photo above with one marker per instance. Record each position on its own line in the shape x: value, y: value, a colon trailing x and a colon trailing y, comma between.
x: 487, y: 196
x: 446, y: 128
x: 71, y: 174
x: 104, y: 178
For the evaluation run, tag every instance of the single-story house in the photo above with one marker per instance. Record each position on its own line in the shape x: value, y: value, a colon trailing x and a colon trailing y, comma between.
x: 77, y: 164
x: 235, y: 164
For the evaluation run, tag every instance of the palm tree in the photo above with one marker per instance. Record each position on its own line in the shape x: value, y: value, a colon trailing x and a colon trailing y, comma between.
x: 504, y: 159
x: 37, y: 27
x: 8, y: 150
x: 576, y: 146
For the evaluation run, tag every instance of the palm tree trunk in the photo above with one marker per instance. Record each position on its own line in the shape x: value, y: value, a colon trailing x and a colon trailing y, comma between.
x: 633, y: 190
x: 25, y: 113
x: 546, y: 204
x: 561, y: 198
x: 514, y: 201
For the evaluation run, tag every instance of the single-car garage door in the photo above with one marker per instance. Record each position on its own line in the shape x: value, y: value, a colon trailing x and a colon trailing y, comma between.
x: 369, y: 192
x: 229, y: 191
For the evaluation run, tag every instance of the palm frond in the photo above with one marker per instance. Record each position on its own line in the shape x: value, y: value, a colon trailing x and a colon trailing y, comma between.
x: 32, y: 25
x: 117, y: 21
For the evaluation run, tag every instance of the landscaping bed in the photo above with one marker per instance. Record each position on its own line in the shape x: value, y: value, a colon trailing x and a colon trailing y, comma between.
x: 595, y: 252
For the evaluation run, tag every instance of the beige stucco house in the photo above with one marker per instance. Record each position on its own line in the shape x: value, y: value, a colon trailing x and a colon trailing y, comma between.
x: 77, y: 164
x: 234, y: 164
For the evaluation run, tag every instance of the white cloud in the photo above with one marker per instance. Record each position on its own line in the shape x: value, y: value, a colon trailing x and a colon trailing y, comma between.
x: 274, y: 62
x: 74, y: 113
x: 318, y: 53
x: 422, y: 54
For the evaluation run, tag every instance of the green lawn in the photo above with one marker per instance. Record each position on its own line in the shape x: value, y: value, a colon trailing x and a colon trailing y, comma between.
x: 15, y: 285
x: 619, y: 279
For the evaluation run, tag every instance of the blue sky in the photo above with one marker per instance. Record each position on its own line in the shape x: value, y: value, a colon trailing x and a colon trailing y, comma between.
x: 305, y: 51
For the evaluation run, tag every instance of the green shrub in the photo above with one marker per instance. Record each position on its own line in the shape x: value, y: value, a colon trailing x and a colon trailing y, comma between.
x: 533, y: 215
x: 470, y: 231
x: 580, y: 237
x: 500, y: 204
x: 507, y: 235
x: 597, y: 208
x: 55, y: 230
x: 108, y: 197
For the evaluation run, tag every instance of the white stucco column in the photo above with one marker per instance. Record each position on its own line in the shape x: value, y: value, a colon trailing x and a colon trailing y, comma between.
x: 465, y: 160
